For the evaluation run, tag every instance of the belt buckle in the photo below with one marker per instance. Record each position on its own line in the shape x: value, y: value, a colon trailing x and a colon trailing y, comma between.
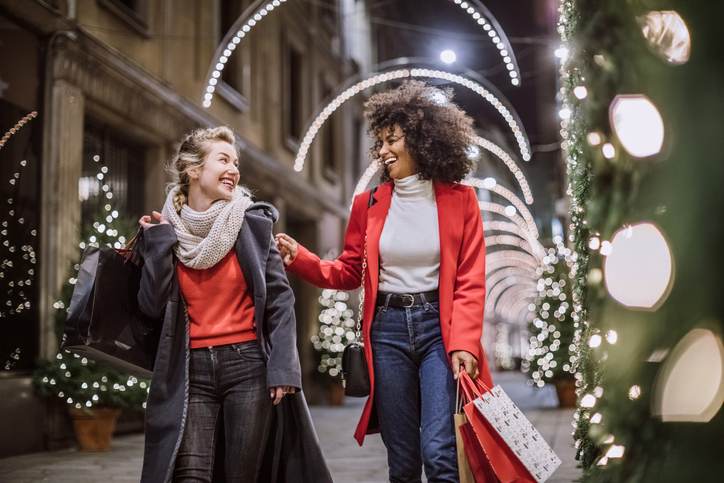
x: 412, y: 300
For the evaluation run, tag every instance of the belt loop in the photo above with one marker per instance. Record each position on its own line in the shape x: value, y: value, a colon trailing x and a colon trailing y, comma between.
x: 387, y: 301
x: 423, y: 299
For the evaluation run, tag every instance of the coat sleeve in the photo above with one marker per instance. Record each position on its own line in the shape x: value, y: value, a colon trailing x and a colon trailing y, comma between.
x: 469, y: 294
x: 283, y: 367
x: 344, y: 273
x: 157, y: 269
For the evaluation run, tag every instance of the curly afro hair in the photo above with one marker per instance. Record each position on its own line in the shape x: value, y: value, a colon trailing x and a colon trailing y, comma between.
x: 438, y: 134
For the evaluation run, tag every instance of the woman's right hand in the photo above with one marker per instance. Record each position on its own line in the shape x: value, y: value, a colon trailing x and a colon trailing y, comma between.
x: 147, y: 221
x: 288, y: 247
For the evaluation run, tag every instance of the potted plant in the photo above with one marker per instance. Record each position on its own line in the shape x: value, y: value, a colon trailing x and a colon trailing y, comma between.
x: 94, y: 396
x: 549, y: 359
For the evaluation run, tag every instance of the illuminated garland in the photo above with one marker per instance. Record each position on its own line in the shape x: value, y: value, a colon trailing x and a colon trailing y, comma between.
x: 505, y: 110
x: 255, y: 13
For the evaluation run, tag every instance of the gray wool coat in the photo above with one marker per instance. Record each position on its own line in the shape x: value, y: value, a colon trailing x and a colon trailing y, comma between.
x: 159, y: 297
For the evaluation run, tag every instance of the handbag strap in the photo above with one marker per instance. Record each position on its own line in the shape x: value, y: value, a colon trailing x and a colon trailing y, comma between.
x: 358, y: 325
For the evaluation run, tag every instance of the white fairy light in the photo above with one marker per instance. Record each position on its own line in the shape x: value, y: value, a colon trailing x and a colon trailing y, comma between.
x: 615, y: 451
x: 639, y: 270
x: 667, y: 34
x: 609, y: 152
x: 690, y: 384
x: 637, y: 124
x: 606, y: 248
x: 594, y: 138
x: 580, y: 92
x: 594, y: 341
x: 634, y: 392
x: 561, y: 53
x: 588, y: 401
x: 612, y: 336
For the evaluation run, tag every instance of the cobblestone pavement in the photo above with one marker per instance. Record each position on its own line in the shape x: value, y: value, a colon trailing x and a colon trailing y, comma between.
x: 335, y: 425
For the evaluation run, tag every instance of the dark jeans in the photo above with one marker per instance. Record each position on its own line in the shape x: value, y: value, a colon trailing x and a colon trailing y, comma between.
x: 414, y: 393
x: 232, y: 379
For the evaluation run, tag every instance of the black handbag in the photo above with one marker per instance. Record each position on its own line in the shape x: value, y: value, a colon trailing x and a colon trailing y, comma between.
x: 104, y: 322
x: 355, y: 375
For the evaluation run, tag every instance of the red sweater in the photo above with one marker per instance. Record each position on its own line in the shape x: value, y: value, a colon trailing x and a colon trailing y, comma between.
x: 221, y: 310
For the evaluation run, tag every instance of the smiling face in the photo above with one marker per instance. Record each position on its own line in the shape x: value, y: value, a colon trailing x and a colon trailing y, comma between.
x: 394, y: 156
x: 217, y: 178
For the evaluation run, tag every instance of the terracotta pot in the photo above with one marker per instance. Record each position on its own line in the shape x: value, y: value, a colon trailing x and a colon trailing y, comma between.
x: 94, y: 427
x: 335, y: 393
x: 566, y: 390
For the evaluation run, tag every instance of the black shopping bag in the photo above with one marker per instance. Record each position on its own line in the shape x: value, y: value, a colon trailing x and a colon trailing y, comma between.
x: 104, y: 322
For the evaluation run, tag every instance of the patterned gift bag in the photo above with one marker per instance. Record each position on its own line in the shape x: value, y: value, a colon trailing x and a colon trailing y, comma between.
x: 518, y: 433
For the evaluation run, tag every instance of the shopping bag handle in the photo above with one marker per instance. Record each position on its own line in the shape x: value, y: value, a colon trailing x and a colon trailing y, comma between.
x: 472, y: 388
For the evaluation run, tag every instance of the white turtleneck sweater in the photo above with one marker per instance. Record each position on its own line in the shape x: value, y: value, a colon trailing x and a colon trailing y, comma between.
x: 410, y: 240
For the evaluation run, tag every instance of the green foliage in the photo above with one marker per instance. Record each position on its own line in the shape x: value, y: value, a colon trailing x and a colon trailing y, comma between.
x: 676, y: 190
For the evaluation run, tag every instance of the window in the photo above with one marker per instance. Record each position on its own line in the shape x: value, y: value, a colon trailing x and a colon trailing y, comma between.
x: 235, y: 86
x: 293, y: 99
x: 135, y: 13
x: 19, y: 198
x: 125, y: 176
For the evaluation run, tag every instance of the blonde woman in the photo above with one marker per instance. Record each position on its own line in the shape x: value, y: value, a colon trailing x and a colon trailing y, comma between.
x: 227, y: 353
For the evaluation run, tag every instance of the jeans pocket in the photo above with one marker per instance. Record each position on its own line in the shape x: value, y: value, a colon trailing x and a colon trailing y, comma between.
x: 433, y: 307
x: 249, y: 351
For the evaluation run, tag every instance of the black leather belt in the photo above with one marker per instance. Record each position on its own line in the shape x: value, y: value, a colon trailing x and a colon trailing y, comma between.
x: 406, y: 300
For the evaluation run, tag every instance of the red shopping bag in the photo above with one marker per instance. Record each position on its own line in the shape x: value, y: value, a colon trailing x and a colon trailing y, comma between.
x: 488, y: 455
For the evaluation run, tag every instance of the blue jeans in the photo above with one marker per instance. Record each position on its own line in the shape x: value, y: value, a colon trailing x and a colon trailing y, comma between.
x: 228, y: 380
x: 414, y: 393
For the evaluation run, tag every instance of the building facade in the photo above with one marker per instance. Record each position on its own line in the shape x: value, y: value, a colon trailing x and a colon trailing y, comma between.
x: 122, y: 80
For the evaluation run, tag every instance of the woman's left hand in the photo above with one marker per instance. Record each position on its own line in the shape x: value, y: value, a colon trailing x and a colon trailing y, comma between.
x: 466, y: 359
x: 277, y: 393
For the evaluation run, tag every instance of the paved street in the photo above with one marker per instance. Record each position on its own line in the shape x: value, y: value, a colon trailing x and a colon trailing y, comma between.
x: 348, y: 462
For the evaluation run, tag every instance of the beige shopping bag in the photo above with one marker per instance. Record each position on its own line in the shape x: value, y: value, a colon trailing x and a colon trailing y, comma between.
x: 466, y: 475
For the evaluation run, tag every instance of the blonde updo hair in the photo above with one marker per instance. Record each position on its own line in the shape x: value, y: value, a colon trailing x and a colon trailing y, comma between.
x: 191, y: 154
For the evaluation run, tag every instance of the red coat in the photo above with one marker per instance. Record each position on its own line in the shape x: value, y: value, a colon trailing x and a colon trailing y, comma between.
x: 462, y: 273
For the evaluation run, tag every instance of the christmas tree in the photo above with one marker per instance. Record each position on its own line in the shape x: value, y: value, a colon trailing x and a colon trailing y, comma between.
x: 78, y: 381
x: 549, y: 356
x: 336, y: 330
x: 640, y: 102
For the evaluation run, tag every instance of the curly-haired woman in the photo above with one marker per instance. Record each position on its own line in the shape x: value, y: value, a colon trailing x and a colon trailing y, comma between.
x: 425, y: 282
x: 227, y: 361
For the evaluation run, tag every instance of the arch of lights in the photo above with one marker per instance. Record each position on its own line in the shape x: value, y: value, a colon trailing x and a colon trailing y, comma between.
x: 496, y: 289
x: 501, y: 154
x: 256, y: 12
x: 391, y: 71
x: 491, y: 184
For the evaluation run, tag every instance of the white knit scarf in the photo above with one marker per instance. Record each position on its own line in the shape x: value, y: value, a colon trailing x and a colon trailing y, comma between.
x: 205, y: 237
